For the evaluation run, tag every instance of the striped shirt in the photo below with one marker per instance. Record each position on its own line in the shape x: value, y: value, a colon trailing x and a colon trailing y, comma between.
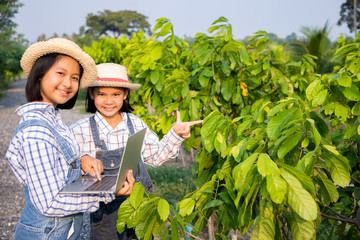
x: 37, y: 161
x: 154, y: 152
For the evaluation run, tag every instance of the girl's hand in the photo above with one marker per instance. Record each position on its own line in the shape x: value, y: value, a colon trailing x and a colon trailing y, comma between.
x: 92, y: 166
x: 128, y: 185
x: 183, y: 128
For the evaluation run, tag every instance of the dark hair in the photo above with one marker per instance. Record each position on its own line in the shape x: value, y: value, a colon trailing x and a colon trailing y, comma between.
x: 38, y: 70
x: 91, y: 108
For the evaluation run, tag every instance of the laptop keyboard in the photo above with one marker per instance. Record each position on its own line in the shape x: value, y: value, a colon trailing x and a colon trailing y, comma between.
x: 106, y: 184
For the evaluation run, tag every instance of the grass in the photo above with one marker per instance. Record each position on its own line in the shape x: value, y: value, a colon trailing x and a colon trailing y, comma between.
x: 172, y: 182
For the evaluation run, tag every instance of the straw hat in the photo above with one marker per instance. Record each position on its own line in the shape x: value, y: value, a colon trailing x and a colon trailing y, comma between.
x: 63, y: 46
x: 113, y: 75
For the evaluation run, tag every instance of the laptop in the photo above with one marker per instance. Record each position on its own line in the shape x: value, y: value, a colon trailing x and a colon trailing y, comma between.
x: 88, y: 184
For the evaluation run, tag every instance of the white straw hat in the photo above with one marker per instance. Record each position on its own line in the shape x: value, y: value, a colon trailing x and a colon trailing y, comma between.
x: 113, y: 75
x: 63, y: 46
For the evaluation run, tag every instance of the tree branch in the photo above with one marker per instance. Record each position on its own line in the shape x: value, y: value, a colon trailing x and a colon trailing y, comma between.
x: 339, y: 219
x: 354, y: 179
x: 341, y: 216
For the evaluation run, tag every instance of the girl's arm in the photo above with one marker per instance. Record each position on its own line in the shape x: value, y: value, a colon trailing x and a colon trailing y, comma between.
x: 46, y: 172
x: 157, y: 152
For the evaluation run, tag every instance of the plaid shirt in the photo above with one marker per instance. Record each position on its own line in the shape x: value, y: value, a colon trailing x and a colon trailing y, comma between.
x: 37, y: 161
x: 154, y: 152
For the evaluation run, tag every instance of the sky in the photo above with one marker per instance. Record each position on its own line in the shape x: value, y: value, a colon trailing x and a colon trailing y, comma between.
x: 281, y: 17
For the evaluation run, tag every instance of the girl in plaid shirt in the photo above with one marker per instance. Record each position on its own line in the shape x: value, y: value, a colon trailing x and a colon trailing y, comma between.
x: 104, y: 136
x: 43, y: 153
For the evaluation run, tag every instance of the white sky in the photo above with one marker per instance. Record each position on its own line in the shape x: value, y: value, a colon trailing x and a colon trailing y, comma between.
x: 281, y: 17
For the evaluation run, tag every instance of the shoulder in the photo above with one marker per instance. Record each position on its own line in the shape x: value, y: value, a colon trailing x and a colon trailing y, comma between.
x: 85, y: 122
x: 136, y: 121
x: 40, y: 131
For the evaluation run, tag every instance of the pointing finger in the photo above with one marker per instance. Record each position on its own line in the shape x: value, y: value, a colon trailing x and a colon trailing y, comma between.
x: 195, y: 122
x: 178, y: 118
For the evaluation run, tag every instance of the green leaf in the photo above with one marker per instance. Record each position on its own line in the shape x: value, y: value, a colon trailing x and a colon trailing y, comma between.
x: 276, y: 124
x: 316, y: 134
x: 299, y: 199
x: 186, y: 206
x: 301, y: 229
x: 289, y: 143
x: 313, y: 89
x: 156, y: 52
x: 330, y: 187
x: 339, y: 171
x: 352, y: 93
x: 276, y: 186
x: 266, y: 166
x: 154, y: 77
x: 265, y: 230
x: 163, y: 209
x: 174, y: 229
x: 213, y: 203
x: 341, y: 111
x: 344, y: 81
x: 149, y: 227
x: 137, y: 195
x: 244, y: 56
x: 320, y: 98
x: 304, y: 179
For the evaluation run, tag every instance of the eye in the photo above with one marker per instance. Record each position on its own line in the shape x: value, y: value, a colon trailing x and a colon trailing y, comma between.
x: 61, y: 73
x: 76, y: 78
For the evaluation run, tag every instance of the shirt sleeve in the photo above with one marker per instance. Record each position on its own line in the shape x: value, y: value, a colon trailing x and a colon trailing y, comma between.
x: 155, y: 152
x: 83, y: 136
x: 45, y: 172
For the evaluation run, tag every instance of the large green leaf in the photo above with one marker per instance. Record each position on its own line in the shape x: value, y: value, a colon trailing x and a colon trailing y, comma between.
x: 163, y: 209
x: 276, y: 124
x: 266, y: 166
x: 345, y: 81
x: 137, y: 194
x: 242, y: 169
x: 265, y: 229
x: 304, y: 179
x: 329, y: 186
x: 352, y: 93
x: 339, y: 165
x: 299, y: 199
x: 339, y: 172
x: 276, y: 186
x: 313, y: 89
x: 300, y: 228
x: 289, y: 143
x: 316, y: 134
x: 186, y: 206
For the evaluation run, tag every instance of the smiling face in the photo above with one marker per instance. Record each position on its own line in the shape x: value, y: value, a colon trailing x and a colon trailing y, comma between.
x: 108, y: 101
x: 61, y: 82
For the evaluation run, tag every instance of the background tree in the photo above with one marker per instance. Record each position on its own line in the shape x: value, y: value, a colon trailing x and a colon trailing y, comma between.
x: 347, y: 14
x: 315, y: 43
x: 116, y: 24
x: 11, y: 47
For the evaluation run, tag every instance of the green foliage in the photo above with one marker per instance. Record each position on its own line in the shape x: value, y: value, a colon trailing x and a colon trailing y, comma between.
x: 172, y: 183
x: 278, y: 144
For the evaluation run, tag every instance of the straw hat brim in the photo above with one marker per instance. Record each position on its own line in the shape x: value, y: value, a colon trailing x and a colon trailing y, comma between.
x: 63, y: 46
x: 131, y: 86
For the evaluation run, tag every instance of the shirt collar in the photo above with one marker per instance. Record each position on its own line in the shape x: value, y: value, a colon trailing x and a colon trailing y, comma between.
x: 43, y: 107
x: 104, y: 126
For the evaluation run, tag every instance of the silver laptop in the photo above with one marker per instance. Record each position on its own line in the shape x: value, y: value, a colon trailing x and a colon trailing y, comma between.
x: 111, y: 183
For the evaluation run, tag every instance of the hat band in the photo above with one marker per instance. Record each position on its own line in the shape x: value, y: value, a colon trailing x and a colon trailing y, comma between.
x: 112, y: 80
